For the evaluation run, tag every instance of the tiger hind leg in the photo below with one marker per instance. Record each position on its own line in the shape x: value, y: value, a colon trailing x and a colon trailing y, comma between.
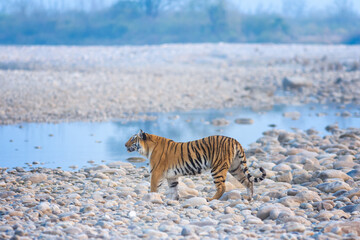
x: 241, y: 173
x: 219, y: 180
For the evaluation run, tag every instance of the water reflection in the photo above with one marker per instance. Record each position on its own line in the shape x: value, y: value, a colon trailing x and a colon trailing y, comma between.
x: 75, y: 144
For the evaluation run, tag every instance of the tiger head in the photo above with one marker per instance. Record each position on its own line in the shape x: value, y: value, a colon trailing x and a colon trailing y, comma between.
x: 136, y: 142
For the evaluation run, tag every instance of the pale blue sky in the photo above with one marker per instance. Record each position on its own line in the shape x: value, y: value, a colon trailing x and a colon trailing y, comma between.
x: 247, y: 6
x: 251, y: 6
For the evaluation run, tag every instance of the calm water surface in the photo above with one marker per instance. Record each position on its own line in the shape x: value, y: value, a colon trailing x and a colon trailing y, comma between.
x: 85, y: 144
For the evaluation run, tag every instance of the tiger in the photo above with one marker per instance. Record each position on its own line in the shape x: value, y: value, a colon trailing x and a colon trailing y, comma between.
x: 169, y: 160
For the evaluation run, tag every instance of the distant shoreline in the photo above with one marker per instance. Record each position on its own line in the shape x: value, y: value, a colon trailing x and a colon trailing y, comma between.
x: 101, y: 83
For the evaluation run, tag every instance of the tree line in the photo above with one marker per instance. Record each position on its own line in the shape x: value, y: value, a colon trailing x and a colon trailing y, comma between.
x: 169, y: 21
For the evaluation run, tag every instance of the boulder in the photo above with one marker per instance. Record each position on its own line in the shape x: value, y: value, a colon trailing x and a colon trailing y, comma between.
x: 194, y: 202
x: 355, y: 174
x: 35, y: 178
x: 343, y: 227
x: 220, y: 122
x: 332, y: 173
x: 295, y: 83
x: 272, y: 211
x: 307, y: 195
x: 351, y: 208
x: 333, y: 186
x: 152, y: 197
x: 233, y: 194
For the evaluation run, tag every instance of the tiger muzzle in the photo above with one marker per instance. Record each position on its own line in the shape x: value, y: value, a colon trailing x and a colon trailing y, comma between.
x: 131, y: 149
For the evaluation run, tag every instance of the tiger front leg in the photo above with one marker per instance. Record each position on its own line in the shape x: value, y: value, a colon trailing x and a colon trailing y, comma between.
x: 156, y: 177
x: 173, y: 188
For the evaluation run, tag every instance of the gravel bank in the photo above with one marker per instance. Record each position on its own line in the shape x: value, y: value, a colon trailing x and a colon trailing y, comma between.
x: 312, y: 191
x: 52, y: 84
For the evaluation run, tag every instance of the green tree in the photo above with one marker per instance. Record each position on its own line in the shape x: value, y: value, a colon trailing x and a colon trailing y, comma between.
x: 218, y: 17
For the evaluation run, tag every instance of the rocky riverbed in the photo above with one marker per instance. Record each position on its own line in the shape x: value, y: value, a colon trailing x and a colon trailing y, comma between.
x: 67, y: 83
x: 312, y: 190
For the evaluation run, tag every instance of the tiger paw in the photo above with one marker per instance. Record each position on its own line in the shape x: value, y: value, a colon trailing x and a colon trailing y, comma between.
x: 174, y: 197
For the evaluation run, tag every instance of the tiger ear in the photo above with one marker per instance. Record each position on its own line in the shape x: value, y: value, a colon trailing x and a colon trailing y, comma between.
x: 142, y: 134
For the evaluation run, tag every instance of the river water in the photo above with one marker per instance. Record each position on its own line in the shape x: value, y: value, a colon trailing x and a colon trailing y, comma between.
x: 74, y: 145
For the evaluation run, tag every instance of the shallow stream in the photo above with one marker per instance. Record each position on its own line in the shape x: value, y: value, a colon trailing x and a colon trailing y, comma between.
x: 75, y: 145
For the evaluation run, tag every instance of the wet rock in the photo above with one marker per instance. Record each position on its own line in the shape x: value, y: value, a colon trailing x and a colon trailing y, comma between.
x: 290, y: 201
x: 351, y: 208
x: 110, y: 204
x: 189, y: 183
x: 312, y: 131
x: 205, y: 208
x: 294, y: 227
x: 119, y: 164
x: 166, y: 226
x: 252, y: 220
x: 233, y: 194
x: 267, y: 165
x: 333, y: 186
x: 194, y: 202
x: 174, y: 217
x: 307, y: 195
x: 67, y: 216
x: 343, y: 165
x: 185, y: 191
x: 310, y: 163
x: 101, y: 176
x: 6, y: 228
x: 331, y: 173
x: 231, y: 216
x: 343, y: 227
x: 346, y: 158
x: 275, y: 194
x: 352, y: 193
x: 152, y: 197
x: 355, y: 174
x: 72, y: 230
x: 346, y: 114
x: 324, y: 216
x: 292, y: 115
x: 132, y: 214
x: 284, y: 177
x: 299, y: 178
x: 274, y: 148
x: 307, y: 206
x: 324, y: 205
x: 44, y: 208
x: 229, y: 210
x: 272, y: 211
x: 152, y: 234
x: 35, y: 178
x: 220, y: 122
x: 285, y: 137
x: 333, y: 128
x: 125, y: 192
x: 6, y: 194
x: 205, y: 222
x: 187, y: 231
x: 16, y: 213
x: 244, y: 121
x: 135, y: 159
x: 295, y: 83
x: 281, y: 167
